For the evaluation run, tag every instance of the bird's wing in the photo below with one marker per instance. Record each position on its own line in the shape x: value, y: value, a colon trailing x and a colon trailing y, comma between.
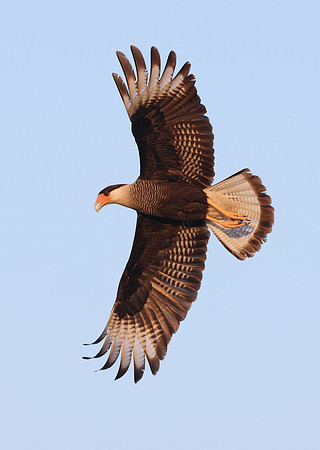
x: 156, y: 290
x: 173, y: 135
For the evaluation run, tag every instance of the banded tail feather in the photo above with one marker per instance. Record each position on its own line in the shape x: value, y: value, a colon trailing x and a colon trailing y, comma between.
x: 243, y: 215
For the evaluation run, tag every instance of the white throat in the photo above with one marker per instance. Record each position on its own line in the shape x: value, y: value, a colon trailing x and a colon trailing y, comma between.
x: 121, y: 195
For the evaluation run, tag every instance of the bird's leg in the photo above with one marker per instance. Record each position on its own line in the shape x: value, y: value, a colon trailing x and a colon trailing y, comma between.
x: 229, y: 214
x: 233, y: 220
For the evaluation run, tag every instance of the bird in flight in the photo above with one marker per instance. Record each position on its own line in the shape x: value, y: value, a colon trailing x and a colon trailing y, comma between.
x: 176, y: 206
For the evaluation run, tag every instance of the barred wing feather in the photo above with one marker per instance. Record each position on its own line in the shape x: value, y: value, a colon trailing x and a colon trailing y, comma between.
x: 157, y: 288
x: 173, y: 135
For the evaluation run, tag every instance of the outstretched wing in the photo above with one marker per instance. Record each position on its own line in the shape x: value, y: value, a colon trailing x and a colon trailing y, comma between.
x: 156, y: 290
x: 173, y: 135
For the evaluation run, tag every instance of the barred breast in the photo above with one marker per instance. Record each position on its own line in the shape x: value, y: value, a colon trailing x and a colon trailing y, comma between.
x: 172, y: 200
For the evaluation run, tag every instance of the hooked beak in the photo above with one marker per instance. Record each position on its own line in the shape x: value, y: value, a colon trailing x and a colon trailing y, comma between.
x: 101, y: 201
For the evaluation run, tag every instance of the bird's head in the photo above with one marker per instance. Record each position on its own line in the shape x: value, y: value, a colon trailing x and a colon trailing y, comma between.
x: 108, y: 195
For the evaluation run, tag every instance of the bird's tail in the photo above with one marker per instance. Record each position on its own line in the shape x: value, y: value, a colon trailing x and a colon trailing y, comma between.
x: 240, y: 213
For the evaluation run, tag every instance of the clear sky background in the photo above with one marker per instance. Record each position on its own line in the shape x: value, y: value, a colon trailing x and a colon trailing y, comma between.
x: 243, y: 371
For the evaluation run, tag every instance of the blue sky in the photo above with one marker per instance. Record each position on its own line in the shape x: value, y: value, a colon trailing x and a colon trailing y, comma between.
x: 243, y: 370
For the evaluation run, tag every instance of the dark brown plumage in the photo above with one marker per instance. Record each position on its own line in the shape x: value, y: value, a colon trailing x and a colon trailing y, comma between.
x: 176, y: 205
